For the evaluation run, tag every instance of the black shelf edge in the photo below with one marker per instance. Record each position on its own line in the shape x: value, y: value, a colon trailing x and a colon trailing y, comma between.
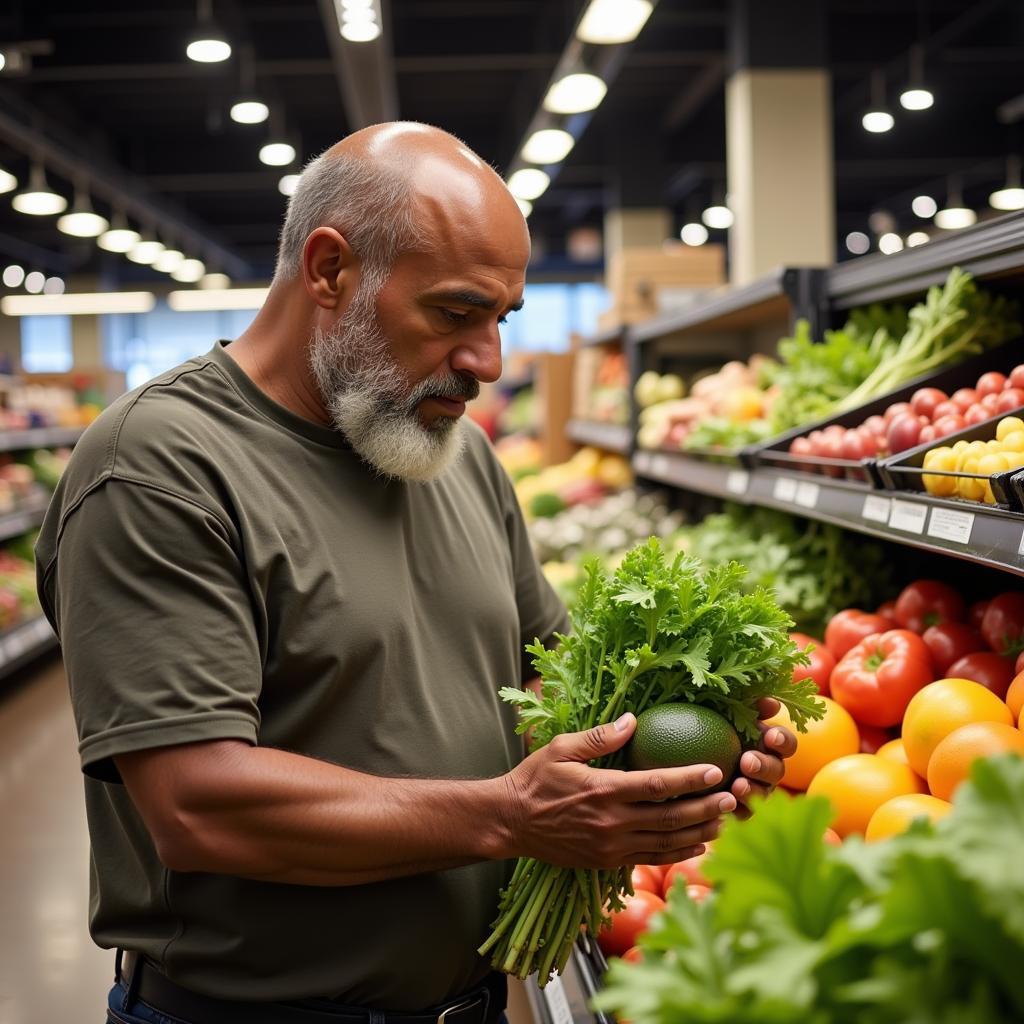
x: 991, y: 248
x: 610, y: 437
x: 25, y: 643
x: 689, y: 474
x: 19, y: 521
x: 39, y: 437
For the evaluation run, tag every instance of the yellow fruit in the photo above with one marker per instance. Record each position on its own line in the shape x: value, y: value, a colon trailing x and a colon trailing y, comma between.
x: 942, y: 707
x: 894, y: 750
x: 1013, y: 441
x: 973, y: 489
x: 1014, y: 460
x: 834, y: 736
x: 988, y: 465
x: 961, y: 446
x: 896, y: 815
x: 1015, y: 695
x: 858, y: 785
x: 940, y: 459
x: 1008, y: 425
x: 951, y: 761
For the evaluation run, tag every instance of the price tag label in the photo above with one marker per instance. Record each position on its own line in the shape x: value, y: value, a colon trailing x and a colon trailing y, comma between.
x: 908, y: 516
x: 807, y: 494
x: 876, y: 509
x: 949, y: 524
x: 558, y: 1002
x: 737, y: 481
x: 1020, y: 549
x: 784, y: 489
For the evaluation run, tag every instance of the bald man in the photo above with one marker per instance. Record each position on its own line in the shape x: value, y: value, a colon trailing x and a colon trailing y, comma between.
x: 289, y: 580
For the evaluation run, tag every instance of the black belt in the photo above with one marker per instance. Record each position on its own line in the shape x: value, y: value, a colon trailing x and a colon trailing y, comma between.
x: 483, y: 1005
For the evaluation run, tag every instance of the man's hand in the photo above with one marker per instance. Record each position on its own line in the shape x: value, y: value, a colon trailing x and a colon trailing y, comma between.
x: 564, y: 812
x: 762, y: 768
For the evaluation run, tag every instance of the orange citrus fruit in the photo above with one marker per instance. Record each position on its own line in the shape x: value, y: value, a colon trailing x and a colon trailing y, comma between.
x: 834, y: 736
x: 858, y: 785
x: 895, y: 815
x: 1015, y: 696
x: 894, y: 750
x: 952, y: 758
x: 935, y: 711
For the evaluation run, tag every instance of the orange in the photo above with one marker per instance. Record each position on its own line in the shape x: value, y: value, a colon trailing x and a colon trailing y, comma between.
x: 858, y: 785
x: 1015, y: 696
x: 951, y: 760
x: 894, y: 750
x: 935, y: 711
x: 895, y: 815
x: 834, y: 736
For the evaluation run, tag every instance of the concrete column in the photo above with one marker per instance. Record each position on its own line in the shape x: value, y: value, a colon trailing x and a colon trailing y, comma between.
x: 86, y: 343
x: 10, y: 340
x: 779, y: 152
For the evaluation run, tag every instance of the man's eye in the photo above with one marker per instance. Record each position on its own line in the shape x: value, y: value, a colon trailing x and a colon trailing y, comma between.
x: 452, y: 316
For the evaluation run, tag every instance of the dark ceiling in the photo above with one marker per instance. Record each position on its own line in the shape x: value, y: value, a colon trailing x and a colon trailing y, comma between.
x: 118, y: 88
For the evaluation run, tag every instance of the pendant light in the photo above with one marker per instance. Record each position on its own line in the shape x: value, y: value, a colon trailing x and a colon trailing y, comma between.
x: 1011, y: 195
x: 878, y: 118
x: 955, y: 215
x: 208, y: 45
x: 37, y: 198
x: 82, y: 221
x: 916, y: 96
x: 118, y: 237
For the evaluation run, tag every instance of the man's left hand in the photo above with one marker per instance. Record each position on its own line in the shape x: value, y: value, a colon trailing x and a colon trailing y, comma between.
x: 762, y: 768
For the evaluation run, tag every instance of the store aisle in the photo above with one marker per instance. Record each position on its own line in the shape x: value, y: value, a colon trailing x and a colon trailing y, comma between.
x: 50, y: 971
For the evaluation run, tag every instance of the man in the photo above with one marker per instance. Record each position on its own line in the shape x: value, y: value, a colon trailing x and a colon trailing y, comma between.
x: 289, y: 582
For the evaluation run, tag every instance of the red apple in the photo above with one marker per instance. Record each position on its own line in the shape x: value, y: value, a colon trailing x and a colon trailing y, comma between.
x: 904, y: 432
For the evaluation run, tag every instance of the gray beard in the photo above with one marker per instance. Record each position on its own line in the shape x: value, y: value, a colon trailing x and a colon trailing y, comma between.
x: 369, y: 399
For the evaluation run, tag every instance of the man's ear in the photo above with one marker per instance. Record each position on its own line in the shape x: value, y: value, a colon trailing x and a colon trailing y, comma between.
x: 330, y: 270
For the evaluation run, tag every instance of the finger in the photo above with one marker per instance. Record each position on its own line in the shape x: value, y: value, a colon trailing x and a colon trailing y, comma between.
x: 767, y: 707
x: 672, y: 857
x: 596, y: 742
x: 663, y: 783
x: 745, y: 790
x: 665, y: 843
x: 777, y: 740
x: 673, y: 815
x: 766, y: 768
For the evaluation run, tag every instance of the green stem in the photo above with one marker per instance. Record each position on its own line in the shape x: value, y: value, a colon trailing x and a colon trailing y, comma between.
x: 505, y: 921
x: 529, y: 918
x: 563, y: 927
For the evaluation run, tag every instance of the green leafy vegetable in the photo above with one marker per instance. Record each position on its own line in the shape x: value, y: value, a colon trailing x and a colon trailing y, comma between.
x: 717, y: 432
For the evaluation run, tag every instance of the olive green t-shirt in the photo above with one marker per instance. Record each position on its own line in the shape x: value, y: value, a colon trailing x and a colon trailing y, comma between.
x: 219, y: 568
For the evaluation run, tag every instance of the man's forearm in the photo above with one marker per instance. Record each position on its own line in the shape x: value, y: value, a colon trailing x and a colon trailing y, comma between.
x: 267, y: 814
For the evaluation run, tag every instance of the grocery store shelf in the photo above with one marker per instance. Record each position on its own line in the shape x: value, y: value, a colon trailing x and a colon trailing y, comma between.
x: 612, y: 437
x: 40, y: 437
x: 566, y: 999
x: 28, y: 517
x: 24, y: 643
x: 991, y: 249
x: 690, y: 474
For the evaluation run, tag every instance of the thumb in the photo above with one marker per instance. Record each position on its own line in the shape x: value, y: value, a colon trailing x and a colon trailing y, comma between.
x: 599, y: 741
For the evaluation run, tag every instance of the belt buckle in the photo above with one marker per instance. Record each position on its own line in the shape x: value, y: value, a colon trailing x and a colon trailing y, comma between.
x: 464, y: 1005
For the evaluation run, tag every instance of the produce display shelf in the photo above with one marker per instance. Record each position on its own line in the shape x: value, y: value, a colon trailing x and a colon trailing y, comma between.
x: 39, y: 437
x: 21, y: 520
x: 566, y: 999
x: 611, y: 437
x: 24, y: 643
x: 690, y: 474
x: 987, y: 250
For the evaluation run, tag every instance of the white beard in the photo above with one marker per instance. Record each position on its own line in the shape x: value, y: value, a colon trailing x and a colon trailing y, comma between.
x: 369, y: 399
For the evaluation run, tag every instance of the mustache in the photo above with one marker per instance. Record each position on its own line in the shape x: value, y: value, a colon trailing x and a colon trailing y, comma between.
x: 456, y: 386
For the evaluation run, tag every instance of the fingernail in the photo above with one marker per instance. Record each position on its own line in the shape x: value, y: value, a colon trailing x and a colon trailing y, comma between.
x: 775, y: 739
x: 622, y: 724
x: 712, y: 775
x: 755, y: 766
x: 727, y: 803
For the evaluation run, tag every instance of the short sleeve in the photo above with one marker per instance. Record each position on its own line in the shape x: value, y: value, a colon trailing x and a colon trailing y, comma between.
x: 149, y: 597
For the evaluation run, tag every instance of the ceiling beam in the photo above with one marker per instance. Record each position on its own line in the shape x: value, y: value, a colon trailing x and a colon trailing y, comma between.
x: 177, y: 70
x: 685, y: 106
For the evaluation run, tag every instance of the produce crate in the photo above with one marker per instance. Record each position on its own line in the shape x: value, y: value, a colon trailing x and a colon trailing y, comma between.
x: 776, y: 453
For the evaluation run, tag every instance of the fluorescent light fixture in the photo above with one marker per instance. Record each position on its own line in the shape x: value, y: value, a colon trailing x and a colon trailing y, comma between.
x: 53, y: 286
x: 82, y: 304
x: 13, y: 276
x: 952, y: 218
x: 208, y: 51
x: 613, y: 21
x: 168, y: 260
x: 575, y: 94
x: 1007, y: 199
x: 916, y: 238
x: 215, y: 299
x: 924, y: 206
x: 694, y: 233
x: 718, y: 217
x: 356, y: 5
x: 525, y: 206
x: 277, y: 154
x: 890, y: 243
x: 287, y: 185
x: 189, y: 272
x: 34, y: 282
x: 145, y: 252
x: 82, y: 221
x: 916, y: 99
x: 249, y: 112
x: 119, y: 240
x: 528, y: 183
x: 37, y: 198
x: 877, y: 121
x: 548, y: 146
x: 360, y: 31
x: 219, y: 281
x: 858, y: 243
x: 358, y: 15
x: 8, y: 182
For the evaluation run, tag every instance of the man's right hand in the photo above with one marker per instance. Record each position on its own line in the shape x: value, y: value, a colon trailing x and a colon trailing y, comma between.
x: 562, y: 811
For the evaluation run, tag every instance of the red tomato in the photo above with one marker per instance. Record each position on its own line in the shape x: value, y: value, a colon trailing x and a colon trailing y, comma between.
x: 849, y: 627
x: 949, y: 642
x: 928, y: 434
x: 947, y: 408
x: 1010, y: 399
x: 976, y: 613
x: 976, y: 414
x: 993, y: 671
x: 1017, y: 377
x: 990, y: 403
x: 832, y: 448
x: 872, y: 737
x: 949, y: 425
x: 854, y: 446
x: 816, y: 438
x: 924, y: 400
x: 888, y: 611
x: 896, y: 409
x: 876, y: 424
x: 629, y: 923
x: 991, y: 383
x: 927, y: 603
x: 904, y: 432
x: 964, y: 398
x: 876, y: 680
x: 832, y: 838
x: 822, y: 662
x: 871, y: 443
x: 634, y: 955
x: 689, y: 870
x: 646, y: 877
x: 1003, y: 624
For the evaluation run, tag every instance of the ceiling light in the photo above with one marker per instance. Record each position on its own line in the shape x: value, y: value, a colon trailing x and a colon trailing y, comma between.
x: 718, y: 217
x: 360, y: 32
x: 208, y: 51
x: 916, y: 96
x: 53, y: 286
x: 249, y: 112
x: 119, y: 238
x: 34, y: 282
x: 82, y: 221
x: 694, y: 233
x: 916, y: 238
x: 8, y: 182
x: 528, y: 183
x: 613, y: 21
x: 548, y: 146
x: 525, y: 207
x: 358, y: 15
x: 3, y: 60
x: 356, y: 5
x: 168, y: 261
x: 190, y: 271
x: 916, y: 99
x: 858, y: 243
x: 890, y: 243
x: 924, y: 206
x: 952, y: 218
x: 575, y: 94
x: 37, y: 198
x: 215, y: 299
x: 13, y: 276
x: 1011, y: 195
x: 877, y: 118
x: 287, y: 185
x: 84, y: 303
x: 218, y: 281
x: 145, y: 252
x: 277, y: 154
